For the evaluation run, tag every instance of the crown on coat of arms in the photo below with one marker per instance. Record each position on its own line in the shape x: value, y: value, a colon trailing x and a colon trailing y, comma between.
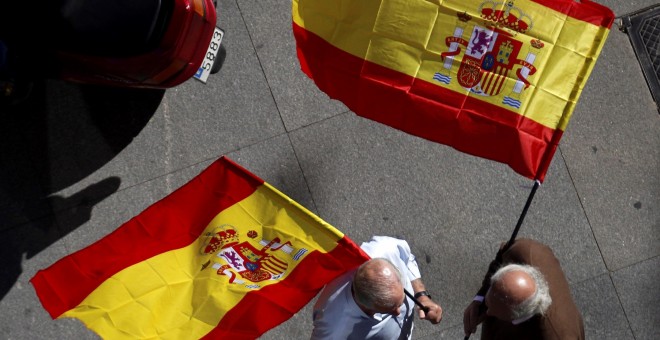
x: 536, y: 43
x: 505, y: 14
x: 464, y: 17
x: 227, y: 236
x: 224, y: 236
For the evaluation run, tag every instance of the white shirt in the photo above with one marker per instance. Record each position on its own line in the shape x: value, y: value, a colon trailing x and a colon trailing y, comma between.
x: 338, y: 317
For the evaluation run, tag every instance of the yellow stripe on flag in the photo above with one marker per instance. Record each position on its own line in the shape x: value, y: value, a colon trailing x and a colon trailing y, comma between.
x: 170, y: 296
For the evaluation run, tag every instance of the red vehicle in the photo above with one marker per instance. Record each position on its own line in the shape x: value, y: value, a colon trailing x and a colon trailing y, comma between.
x: 126, y: 43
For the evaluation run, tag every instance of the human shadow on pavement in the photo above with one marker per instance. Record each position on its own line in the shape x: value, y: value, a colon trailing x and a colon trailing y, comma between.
x: 29, y: 239
x: 57, y: 137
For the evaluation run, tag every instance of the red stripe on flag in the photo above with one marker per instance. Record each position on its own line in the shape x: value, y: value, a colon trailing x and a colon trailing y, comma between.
x: 263, y: 309
x: 584, y: 10
x: 427, y: 110
x: 172, y: 223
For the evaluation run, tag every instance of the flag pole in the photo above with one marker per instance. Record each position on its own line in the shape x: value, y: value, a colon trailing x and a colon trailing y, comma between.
x: 508, y: 245
x: 537, y: 183
x: 419, y: 304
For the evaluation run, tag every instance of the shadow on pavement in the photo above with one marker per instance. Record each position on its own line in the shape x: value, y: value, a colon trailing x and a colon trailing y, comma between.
x: 61, y: 134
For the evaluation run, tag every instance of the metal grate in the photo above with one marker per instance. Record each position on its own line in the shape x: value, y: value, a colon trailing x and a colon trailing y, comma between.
x: 643, y: 28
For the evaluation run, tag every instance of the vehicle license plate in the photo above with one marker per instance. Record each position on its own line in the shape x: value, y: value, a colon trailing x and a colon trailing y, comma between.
x: 212, y: 53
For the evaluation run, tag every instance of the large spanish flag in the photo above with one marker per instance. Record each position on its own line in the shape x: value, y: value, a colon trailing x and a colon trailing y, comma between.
x: 226, y: 256
x: 495, y: 79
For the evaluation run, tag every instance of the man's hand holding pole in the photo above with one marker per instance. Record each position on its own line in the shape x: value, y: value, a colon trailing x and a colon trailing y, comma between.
x: 432, y: 311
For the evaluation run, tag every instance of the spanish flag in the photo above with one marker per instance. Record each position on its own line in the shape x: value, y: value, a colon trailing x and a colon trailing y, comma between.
x: 226, y: 256
x: 498, y: 79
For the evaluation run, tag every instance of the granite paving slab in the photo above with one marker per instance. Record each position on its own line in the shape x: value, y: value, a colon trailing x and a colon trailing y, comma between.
x: 611, y: 148
x: 637, y: 287
x: 299, y: 101
x: 601, y: 309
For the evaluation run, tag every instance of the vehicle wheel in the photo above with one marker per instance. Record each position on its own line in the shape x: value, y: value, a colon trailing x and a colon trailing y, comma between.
x: 219, y: 60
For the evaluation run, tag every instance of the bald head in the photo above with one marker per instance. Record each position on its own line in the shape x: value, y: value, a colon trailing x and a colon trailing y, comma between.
x: 515, y: 286
x: 517, y: 291
x: 379, y: 269
x: 377, y: 286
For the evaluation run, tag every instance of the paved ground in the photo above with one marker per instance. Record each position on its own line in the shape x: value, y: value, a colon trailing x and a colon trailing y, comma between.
x: 79, y: 161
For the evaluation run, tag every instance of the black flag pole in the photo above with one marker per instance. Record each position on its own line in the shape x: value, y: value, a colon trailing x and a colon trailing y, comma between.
x: 419, y: 304
x: 537, y: 184
x: 508, y: 245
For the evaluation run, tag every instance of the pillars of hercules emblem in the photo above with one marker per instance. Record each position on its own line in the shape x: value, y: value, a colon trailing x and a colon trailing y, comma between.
x: 528, y: 69
x: 444, y: 75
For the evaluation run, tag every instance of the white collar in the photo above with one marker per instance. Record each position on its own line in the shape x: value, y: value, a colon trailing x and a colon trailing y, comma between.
x: 521, y: 320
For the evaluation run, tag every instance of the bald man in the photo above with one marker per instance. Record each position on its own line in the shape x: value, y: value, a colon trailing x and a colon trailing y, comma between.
x: 369, y: 302
x: 524, y: 295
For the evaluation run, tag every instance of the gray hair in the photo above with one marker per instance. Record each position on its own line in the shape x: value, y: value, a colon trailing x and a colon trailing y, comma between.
x: 538, y: 303
x: 373, y: 291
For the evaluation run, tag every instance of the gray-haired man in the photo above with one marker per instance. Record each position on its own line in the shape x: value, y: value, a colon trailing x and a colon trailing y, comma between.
x: 524, y: 295
x: 369, y: 303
